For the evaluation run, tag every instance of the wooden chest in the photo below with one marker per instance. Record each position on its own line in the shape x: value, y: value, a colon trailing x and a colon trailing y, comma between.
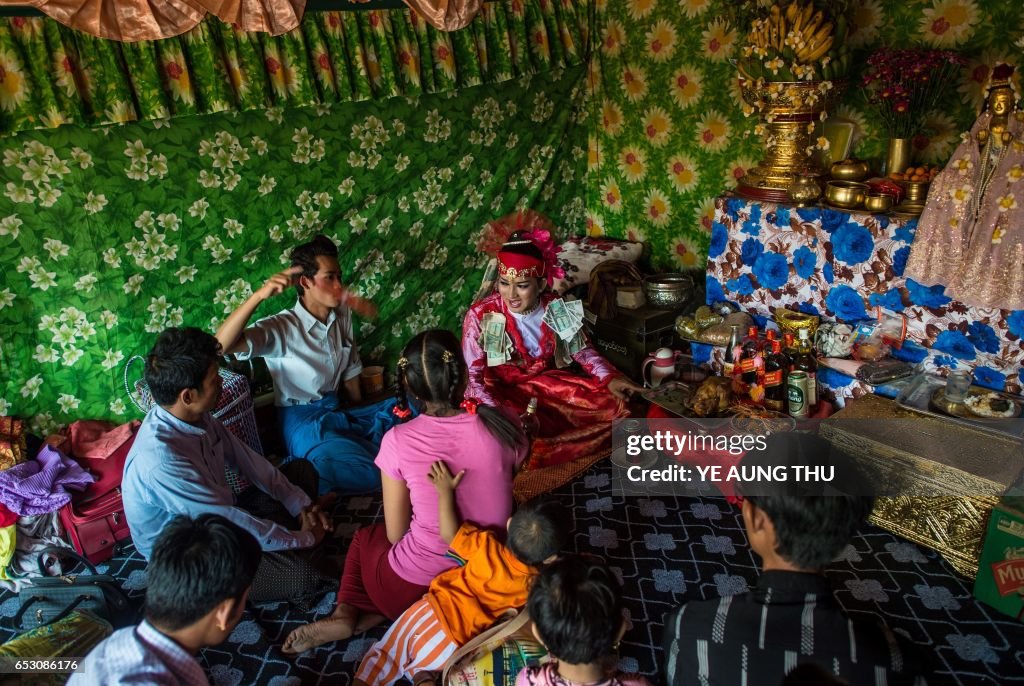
x: 943, y: 478
x: 627, y: 340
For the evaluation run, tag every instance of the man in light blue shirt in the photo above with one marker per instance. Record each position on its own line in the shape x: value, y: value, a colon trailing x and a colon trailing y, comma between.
x: 311, y: 353
x: 198, y: 580
x: 176, y: 466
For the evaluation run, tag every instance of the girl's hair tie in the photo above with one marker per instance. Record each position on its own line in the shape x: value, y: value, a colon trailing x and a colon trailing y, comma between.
x: 401, y: 413
x: 447, y: 356
x: 469, y: 405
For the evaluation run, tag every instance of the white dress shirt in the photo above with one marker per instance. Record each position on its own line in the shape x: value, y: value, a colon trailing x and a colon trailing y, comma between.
x: 308, y: 359
x: 529, y: 329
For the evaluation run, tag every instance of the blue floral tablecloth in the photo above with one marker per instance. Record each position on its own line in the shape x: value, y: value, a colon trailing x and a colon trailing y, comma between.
x: 848, y: 266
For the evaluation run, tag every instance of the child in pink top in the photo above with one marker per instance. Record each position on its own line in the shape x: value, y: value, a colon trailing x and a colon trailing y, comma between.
x: 576, y: 607
x: 390, y: 565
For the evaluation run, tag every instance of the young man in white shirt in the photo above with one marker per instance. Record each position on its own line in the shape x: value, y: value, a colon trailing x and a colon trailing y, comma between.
x: 311, y: 353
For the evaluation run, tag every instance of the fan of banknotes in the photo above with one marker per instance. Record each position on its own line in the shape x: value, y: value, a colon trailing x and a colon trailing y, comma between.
x: 566, y: 320
x: 496, y: 342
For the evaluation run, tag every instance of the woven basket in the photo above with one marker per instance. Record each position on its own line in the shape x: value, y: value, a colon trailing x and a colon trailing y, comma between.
x: 234, y: 410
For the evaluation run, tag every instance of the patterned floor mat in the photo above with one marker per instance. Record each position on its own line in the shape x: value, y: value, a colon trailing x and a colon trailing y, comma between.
x: 667, y: 550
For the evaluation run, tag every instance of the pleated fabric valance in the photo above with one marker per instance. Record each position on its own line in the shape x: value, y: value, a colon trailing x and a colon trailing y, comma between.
x: 51, y: 75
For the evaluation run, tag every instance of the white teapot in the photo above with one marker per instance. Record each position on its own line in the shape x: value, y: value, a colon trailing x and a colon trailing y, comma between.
x: 664, y: 361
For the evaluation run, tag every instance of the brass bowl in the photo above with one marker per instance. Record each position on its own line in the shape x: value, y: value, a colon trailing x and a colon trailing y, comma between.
x: 846, y: 194
x: 850, y: 170
x: 669, y: 291
x: 878, y: 202
x: 917, y: 191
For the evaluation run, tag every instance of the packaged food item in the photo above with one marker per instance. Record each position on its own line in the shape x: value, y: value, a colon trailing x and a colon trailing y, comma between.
x: 705, y: 317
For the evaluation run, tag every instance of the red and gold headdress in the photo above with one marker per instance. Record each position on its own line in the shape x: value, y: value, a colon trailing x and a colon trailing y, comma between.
x: 533, y: 228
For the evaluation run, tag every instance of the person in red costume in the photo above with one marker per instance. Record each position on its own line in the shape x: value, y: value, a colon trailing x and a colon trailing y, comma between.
x: 575, y: 407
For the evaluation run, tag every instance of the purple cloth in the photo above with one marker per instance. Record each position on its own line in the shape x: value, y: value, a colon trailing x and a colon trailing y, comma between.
x: 39, y: 486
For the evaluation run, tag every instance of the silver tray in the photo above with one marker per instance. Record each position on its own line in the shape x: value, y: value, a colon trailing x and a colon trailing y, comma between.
x: 674, y: 396
x: 925, y: 393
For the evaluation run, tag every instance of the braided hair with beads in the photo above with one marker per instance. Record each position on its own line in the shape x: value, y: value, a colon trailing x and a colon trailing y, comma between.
x: 433, y: 370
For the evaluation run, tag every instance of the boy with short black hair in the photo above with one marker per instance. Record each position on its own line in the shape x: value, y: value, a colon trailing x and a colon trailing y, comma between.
x: 462, y: 602
x: 311, y: 353
x: 791, y: 617
x: 198, y: 581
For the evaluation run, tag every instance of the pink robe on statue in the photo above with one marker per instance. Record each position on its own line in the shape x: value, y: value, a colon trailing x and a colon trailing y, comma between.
x: 981, y: 263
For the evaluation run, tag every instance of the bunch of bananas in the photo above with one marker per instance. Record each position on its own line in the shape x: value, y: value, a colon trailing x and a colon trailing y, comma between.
x: 795, y: 36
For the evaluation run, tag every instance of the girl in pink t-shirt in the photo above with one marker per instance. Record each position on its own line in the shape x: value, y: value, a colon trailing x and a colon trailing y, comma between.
x: 390, y: 565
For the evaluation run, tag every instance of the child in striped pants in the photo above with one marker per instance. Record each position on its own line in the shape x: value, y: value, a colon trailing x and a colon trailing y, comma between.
x: 461, y: 602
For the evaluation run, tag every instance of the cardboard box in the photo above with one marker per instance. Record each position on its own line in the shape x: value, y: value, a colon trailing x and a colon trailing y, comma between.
x: 627, y: 340
x: 1000, y: 581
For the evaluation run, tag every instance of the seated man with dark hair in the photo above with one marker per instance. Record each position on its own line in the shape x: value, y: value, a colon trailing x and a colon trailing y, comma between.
x: 176, y: 466
x: 311, y: 353
x: 791, y: 617
x: 198, y: 580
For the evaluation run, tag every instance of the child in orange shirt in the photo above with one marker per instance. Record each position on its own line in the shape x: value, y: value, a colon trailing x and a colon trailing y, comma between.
x: 462, y: 602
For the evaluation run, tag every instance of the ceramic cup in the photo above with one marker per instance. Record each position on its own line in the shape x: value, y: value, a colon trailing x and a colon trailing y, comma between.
x: 371, y: 380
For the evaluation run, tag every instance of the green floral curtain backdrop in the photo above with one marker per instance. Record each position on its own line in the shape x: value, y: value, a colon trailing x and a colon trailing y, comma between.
x: 108, y: 235
x: 667, y: 130
x: 51, y: 75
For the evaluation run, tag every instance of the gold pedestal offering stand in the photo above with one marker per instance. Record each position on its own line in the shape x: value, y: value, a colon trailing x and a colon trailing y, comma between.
x: 789, y: 110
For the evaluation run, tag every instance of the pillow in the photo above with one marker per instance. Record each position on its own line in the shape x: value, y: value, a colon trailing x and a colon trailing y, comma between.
x: 581, y: 254
x: 578, y: 257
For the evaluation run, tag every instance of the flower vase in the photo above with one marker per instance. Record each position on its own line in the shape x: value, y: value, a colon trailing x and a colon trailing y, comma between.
x: 789, y: 111
x: 897, y: 155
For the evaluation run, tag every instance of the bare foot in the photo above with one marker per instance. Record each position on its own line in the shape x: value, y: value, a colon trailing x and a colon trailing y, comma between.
x: 316, y: 634
x: 368, y: 621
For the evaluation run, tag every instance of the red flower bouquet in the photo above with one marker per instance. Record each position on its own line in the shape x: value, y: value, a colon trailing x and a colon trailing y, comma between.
x: 905, y: 84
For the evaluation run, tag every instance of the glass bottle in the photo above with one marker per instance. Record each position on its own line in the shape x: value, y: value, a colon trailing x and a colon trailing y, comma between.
x: 774, y: 379
x: 805, y: 361
x: 789, y: 350
x: 730, y: 352
x: 752, y: 347
x: 530, y: 420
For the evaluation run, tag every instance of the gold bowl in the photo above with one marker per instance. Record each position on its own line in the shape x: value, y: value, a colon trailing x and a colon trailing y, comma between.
x: 846, y: 194
x: 917, y: 191
x: 878, y: 202
x: 850, y: 170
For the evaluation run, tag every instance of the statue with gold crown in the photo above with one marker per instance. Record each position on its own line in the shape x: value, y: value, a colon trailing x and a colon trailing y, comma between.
x: 970, y: 237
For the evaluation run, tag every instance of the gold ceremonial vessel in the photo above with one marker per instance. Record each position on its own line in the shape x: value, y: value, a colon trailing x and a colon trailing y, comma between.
x: 917, y: 191
x: 878, y: 202
x: 804, y: 191
x: 786, y: 109
x: 846, y: 194
x: 790, y: 321
x: 850, y: 170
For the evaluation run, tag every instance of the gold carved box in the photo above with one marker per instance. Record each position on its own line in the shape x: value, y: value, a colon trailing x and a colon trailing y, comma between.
x: 941, y: 479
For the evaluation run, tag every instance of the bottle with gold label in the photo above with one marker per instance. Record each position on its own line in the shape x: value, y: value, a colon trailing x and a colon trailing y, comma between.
x: 774, y: 377
x: 806, y: 362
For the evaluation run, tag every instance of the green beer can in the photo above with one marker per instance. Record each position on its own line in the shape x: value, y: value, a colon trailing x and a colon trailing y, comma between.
x: 796, y: 394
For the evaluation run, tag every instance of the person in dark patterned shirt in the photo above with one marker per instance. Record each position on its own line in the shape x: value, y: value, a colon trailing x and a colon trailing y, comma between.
x: 791, y: 618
